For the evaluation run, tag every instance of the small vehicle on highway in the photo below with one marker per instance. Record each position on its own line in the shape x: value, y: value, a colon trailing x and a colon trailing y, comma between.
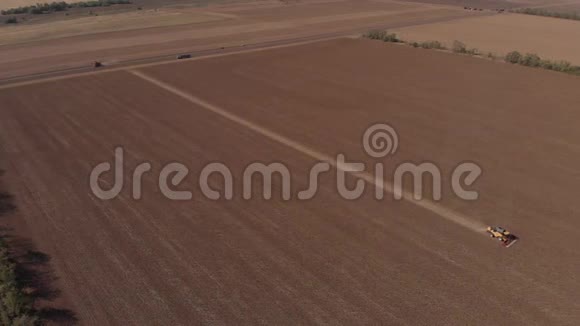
x: 183, y: 56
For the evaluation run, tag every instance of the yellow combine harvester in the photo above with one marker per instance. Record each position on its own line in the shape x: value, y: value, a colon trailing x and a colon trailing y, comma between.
x: 503, y: 235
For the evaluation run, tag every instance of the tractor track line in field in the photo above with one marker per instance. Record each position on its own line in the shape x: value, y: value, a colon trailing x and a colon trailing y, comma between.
x: 386, y: 186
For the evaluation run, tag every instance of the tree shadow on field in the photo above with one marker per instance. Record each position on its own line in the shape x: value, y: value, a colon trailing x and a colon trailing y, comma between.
x: 6, y: 200
x: 6, y: 205
x: 36, y: 277
x: 33, y: 272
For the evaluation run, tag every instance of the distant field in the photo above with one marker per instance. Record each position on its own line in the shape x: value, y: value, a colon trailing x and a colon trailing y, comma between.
x: 5, y: 4
x: 568, y: 8
x: 106, y: 23
x: 493, y: 4
x: 549, y: 37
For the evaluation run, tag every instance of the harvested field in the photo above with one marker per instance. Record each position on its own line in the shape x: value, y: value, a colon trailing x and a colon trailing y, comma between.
x: 565, y: 8
x: 101, y: 24
x: 485, y: 4
x: 6, y: 4
x: 318, y: 9
x: 548, y: 37
x: 493, y: 4
x: 325, y: 260
x: 233, y: 26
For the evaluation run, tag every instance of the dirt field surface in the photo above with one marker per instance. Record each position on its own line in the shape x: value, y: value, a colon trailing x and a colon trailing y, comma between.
x: 494, y: 4
x: 485, y: 4
x: 231, y: 26
x: 565, y: 8
x: 6, y: 4
x: 100, y: 24
x: 122, y: 15
x: 321, y: 261
x: 548, y: 37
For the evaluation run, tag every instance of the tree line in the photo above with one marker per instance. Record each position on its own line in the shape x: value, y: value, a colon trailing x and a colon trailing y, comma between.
x: 514, y: 57
x: 546, y: 13
x: 44, y: 8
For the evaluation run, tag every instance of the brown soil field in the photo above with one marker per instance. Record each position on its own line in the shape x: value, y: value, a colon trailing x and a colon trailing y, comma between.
x: 548, y: 37
x: 101, y: 24
x: 493, y: 4
x: 565, y: 8
x: 231, y: 26
x: 321, y: 261
x: 118, y: 12
x: 484, y: 4
x: 6, y: 4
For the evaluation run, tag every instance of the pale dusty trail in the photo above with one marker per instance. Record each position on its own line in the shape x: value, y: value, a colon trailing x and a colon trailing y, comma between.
x: 386, y: 186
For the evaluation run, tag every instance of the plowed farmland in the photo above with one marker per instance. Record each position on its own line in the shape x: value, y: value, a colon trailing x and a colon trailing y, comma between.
x: 326, y: 260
